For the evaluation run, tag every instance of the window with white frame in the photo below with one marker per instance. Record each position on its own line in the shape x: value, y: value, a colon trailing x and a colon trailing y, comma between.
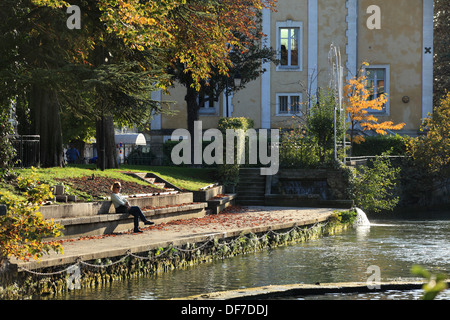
x: 289, y: 44
x: 207, y: 102
x: 288, y: 103
x: 377, y: 83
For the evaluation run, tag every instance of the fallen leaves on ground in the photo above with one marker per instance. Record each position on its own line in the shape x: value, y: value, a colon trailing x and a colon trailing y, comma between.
x: 233, y: 217
x: 99, y: 187
x: 219, y: 196
x: 167, y: 206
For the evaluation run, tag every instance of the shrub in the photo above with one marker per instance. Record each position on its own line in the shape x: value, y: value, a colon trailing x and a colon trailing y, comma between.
x: 320, y: 124
x: 432, y: 151
x: 345, y: 216
x: 23, y: 228
x: 374, y: 186
x: 228, y: 174
x: 297, y: 149
x: 377, y: 145
x: 235, y: 123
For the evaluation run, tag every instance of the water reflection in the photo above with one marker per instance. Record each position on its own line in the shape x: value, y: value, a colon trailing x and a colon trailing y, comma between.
x: 393, y: 246
x: 387, y: 295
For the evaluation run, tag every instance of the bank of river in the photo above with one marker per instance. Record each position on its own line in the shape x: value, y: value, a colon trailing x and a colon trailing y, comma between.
x: 393, y: 246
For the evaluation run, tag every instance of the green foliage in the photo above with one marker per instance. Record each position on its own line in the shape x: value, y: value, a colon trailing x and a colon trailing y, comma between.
x: 379, y: 144
x: 320, y: 123
x: 7, y: 151
x: 311, y: 143
x: 36, y: 191
x: 235, y: 123
x: 228, y: 174
x: 23, y: 229
x: 297, y: 149
x: 374, y: 186
x: 140, y: 156
x: 432, y: 152
x: 435, y: 283
x: 441, y: 50
x: 343, y: 217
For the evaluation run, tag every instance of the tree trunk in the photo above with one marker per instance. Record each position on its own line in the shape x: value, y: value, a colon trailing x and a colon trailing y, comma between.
x: 46, y: 123
x: 106, y: 144
x: 191, y: 99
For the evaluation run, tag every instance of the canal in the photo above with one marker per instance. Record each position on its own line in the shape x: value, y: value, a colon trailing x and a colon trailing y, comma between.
x: 393, y: 246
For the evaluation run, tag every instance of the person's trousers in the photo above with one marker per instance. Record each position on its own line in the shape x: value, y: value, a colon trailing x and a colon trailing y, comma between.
x: 135, y: 211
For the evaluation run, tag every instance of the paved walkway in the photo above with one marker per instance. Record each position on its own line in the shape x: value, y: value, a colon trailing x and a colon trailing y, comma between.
x: 231, y: 223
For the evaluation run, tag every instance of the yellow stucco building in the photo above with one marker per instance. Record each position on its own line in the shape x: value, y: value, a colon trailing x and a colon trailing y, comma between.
x: 394, y: 36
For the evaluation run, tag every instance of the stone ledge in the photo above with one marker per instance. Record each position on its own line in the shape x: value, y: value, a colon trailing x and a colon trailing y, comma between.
x: 305, y: 201
x: 177, y: 240
x: 290, y: 290
x: 122, y: 216
x: 83, y: 209
x: 118, y: 222
x: 217, y: 205
x: 205, y: 195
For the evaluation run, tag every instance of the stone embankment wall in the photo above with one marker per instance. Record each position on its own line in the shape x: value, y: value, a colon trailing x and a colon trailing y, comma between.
x: 101, y: 272
x: 309, y: 187
x: 337, y: 184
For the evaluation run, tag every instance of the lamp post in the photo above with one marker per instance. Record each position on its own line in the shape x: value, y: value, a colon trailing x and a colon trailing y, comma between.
x: 237, y: 83
x: 336, y: 74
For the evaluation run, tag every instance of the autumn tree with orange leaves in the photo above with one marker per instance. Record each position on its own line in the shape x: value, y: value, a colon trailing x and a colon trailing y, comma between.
x: 197, y: 33
x: 359, y: 107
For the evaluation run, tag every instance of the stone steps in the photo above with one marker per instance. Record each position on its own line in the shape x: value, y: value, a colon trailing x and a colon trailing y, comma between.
x: 215, y: 205
x: 155, y: 180
x: 98, y: 218
x: 251, y: 187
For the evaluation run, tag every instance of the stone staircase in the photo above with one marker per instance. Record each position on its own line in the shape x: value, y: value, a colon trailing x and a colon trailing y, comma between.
x: 98, y: 218
x: 251, y: 188
x: 81, y: 219
x: 154, y: 180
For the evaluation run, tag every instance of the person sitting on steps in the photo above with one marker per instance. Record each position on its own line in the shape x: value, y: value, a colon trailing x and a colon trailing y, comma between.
x: 122, y: 206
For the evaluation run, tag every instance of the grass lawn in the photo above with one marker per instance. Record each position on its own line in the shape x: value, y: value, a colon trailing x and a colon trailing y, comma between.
x: 186, y: 178
x: 189, y: 179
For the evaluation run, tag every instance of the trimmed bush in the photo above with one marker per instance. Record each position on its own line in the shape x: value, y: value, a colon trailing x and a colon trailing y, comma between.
x: 377, y: 145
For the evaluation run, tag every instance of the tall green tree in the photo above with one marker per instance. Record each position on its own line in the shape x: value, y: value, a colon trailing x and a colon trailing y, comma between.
x: 90, y: 73
x: 441, y: 49
x: 7, y: 151
x: 121, y: 50
x: 32, y: 58
x: 431, y: 152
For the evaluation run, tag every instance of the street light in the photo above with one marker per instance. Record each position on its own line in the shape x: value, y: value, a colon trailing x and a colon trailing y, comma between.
x: 336, y: 73
x: 237, y: 83
x: 237, y: 79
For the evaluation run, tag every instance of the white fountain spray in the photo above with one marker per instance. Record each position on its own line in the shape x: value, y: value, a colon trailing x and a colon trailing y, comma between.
x: 361, y: 218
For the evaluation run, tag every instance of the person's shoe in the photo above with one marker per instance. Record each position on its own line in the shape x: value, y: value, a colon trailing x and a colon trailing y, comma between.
x: 137, y: 231
x: 149, y: 223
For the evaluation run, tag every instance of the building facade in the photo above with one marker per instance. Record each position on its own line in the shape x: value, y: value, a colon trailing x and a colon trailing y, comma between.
x: 394, y: 37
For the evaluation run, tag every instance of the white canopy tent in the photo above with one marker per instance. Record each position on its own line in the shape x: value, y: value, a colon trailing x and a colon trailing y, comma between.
x: 126, y: 142
x: 137, y: 139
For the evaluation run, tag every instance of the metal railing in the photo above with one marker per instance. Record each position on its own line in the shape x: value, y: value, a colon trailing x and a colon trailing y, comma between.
x: 27, y: 150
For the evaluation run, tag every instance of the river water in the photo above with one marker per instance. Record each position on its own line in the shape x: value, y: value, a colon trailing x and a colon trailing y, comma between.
x: 393, y: 246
